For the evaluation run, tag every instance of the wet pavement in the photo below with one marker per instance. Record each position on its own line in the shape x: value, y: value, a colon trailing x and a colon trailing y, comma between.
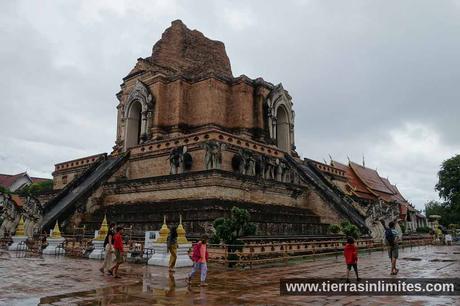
x: 70, y: 281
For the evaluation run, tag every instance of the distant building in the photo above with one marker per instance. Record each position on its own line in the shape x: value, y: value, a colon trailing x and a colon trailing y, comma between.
x: 367, y: 187
x: 14, y: 182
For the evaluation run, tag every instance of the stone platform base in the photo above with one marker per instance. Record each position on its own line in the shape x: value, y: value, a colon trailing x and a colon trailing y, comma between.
x: 99, y: 251
x: 18, y: 244
x: 161, y: 256
x: 53, y: 247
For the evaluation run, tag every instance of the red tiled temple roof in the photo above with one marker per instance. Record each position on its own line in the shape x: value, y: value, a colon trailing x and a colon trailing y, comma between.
x: 369, y: 185
x: 353, y: 180
x: 370, y: 178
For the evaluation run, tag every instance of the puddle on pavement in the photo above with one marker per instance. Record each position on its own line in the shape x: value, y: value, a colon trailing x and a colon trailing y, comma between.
x: 411, y: 259
x: 442, y: 260
x: 102, y: 296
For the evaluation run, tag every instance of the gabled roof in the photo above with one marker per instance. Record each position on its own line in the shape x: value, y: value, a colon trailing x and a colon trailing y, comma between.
x: 6, y: 180
x: 370, y: 178
x: 368, y: 184
x: 354, y: 181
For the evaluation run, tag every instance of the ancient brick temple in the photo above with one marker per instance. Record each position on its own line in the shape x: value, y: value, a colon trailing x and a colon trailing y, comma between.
x: 192, y: 139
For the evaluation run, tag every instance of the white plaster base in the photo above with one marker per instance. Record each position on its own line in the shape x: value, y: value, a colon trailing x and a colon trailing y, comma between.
x: 99, y: 251
x: 16, y: 243
x: 52, y: 248
x: 161, y: 256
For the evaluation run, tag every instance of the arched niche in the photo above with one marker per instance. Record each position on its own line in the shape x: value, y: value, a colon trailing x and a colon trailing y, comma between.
x: 282, y: 129
x: 138, y: 115
x: 280, y: 118
x: 133, y: 124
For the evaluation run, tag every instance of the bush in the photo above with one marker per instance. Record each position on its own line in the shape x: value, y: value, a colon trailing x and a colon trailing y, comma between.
x: 229, y: 230
x: 350, y: 230
x: 214, y: 239
x: 334, y: 229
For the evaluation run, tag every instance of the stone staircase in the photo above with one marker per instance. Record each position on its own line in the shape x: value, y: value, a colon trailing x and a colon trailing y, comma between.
x: 65, y: 202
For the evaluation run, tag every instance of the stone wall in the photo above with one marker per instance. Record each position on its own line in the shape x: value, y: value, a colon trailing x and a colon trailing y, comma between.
x: 202, y: 196
x: 198, y: 217
x: 65, y: 172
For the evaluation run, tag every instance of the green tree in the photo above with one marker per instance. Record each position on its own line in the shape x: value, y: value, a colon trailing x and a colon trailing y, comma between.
x: 448, y: 187
x: 229, y: 230
x: 434, y: 208
x: 4, y: 190
x: 35, y: 189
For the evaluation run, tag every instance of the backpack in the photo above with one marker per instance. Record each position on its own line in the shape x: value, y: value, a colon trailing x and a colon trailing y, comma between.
x: 390, y: 237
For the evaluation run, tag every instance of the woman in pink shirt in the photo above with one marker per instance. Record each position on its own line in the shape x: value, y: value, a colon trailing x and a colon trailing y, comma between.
x: 200, y: 258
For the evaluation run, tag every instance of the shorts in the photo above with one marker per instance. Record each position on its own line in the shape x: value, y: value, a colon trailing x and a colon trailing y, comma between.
x: 355, y: 267
x: 393, y: 252
x: 118, y: 257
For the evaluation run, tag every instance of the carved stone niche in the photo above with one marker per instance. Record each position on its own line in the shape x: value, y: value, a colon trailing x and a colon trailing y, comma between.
x: 138, y: 114
x: 280, y: 118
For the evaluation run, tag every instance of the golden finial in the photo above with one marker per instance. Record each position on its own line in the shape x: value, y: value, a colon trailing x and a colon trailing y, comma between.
x: 20, y: 228
x: 164, y: 232
x: 181, y: 238
x: 56, y: 233
x: 103, y: 230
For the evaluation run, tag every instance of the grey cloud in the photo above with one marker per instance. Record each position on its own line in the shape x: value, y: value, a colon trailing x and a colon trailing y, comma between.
x: 357, y: 70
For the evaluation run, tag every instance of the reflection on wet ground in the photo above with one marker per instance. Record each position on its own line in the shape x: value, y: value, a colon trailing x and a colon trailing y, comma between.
x: 69, y: 281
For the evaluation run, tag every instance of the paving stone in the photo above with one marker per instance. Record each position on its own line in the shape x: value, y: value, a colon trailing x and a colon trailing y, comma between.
x: 71, y: 281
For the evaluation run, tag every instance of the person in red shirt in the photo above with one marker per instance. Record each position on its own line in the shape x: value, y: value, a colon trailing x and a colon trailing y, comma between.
x: 118, y: 247
x: 351, y: 258
x: 200, y: 258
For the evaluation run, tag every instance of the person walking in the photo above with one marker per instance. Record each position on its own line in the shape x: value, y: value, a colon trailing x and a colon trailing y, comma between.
x: 200, y: 259
x: 118, y: 247
x: 171, y: 243
x: 392, y: 241
x: 350, y: 253
x: 108, y: 246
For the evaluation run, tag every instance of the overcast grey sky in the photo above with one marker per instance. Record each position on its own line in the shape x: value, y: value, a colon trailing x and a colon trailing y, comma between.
x: 373, y: 78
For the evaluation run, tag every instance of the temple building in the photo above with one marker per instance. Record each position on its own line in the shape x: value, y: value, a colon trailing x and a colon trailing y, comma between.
x: 13, y: 205
x: 192, y: 139
x: 372, y: 194
x: 14, y: 182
